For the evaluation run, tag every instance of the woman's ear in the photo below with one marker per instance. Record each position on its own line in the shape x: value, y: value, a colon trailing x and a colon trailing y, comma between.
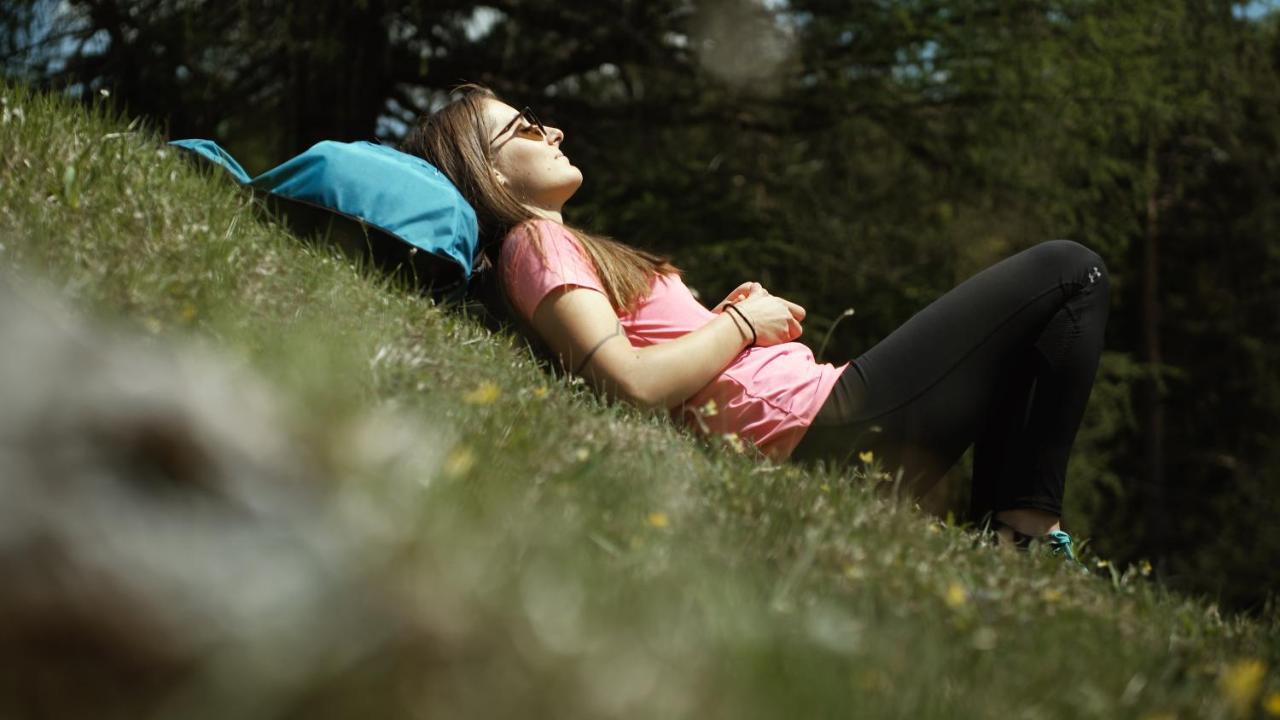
x: 502, y: 179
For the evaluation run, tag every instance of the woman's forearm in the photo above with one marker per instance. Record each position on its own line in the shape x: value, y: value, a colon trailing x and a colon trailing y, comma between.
x: 667, y: 374
x: 581, y: 327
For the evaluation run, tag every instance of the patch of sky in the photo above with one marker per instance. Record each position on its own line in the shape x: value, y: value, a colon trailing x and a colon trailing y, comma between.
x: 676, y: 40
x: 64, y: 34
x: 401, y: 30
x: 1254, y: 9
x: 787, y: 18
x: 605, y: 82
x: 97, y: 43
x: 481, y: 22
x: 396, y: 117
x: 390, y: 128
x: 571, y: 85
x: 915, y: 64
x: 50, y: 37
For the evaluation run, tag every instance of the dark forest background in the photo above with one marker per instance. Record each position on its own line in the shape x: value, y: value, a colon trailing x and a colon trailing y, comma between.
x: 863, y: 154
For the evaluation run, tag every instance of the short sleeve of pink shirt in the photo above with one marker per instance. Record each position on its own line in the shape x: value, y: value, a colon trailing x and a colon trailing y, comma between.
x: 769, y: 395
x: 539, y: 257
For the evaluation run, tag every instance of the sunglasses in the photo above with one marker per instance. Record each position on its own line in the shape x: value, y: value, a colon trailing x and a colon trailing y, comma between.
x: 533, y: 130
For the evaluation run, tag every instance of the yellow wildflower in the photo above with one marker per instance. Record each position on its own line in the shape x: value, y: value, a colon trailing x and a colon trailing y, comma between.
x: 866, y: 457
x: 1241, y: 683
x: 1145, y: 568
x: 540, y: 392
x: 735, y: 442
x: 1271, y: 705
x: 956, y: 595
x: 658, y: 520
x: 459, y: 462
x: 188, y: 312
x: 484, y: 394
x: 582, y: 454
x: 1051, y: 595
x: 709, y: 408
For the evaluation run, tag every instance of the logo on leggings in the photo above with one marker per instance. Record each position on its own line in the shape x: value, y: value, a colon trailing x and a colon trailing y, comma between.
x: 1094, y: 274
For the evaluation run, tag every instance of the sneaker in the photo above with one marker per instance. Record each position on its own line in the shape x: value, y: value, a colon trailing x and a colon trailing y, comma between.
x: 1058, y: 541
x: 1060, y: 545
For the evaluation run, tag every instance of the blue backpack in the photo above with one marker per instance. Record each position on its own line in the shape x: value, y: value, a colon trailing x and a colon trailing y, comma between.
x: 373, y: 200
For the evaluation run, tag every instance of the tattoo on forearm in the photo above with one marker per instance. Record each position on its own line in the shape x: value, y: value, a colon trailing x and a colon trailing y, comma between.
x: 582, y: 366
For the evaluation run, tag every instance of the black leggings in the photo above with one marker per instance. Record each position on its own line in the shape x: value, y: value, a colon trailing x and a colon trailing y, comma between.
x: 1004, y: 362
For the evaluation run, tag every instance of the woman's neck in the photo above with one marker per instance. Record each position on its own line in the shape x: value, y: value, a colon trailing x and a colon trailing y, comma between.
x: 546, y: 213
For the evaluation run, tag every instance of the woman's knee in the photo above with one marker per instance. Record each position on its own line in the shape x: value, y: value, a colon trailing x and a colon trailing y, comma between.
x: 1072, y: 257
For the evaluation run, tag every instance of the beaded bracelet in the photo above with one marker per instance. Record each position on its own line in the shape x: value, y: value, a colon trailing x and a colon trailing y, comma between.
x: 736, y: 311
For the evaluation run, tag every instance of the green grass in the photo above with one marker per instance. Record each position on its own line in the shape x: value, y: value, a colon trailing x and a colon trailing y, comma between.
x: 568, y: 556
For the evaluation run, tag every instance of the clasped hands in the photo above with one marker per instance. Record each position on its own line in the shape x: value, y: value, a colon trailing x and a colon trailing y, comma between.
x: 776, y: 320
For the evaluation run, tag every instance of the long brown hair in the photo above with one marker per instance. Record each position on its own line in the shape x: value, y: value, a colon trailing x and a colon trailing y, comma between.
x: 456, y: 140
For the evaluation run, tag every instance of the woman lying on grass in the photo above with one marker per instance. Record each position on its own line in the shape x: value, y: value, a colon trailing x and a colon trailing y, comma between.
x: 1005, y: 361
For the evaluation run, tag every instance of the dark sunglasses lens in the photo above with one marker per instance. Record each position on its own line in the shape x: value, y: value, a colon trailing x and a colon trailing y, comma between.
x: 533, y: 120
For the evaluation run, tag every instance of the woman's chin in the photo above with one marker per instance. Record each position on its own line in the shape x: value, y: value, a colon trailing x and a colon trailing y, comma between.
x: 572, y: 186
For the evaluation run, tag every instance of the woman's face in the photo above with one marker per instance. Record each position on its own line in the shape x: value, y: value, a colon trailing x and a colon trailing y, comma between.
x: 531, y: 166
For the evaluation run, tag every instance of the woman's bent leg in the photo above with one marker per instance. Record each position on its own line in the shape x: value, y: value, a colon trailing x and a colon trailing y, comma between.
x: 1005, y: 360
x: 1002, y: 452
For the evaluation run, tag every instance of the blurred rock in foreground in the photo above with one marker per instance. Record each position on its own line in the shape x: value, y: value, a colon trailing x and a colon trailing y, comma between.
x: 165, y: 550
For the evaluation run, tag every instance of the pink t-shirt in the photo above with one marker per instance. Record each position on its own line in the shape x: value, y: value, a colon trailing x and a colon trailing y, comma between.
x: 769, y: 395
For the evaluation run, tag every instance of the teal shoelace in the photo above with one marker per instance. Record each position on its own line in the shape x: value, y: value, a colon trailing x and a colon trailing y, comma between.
x: 1060, y: 545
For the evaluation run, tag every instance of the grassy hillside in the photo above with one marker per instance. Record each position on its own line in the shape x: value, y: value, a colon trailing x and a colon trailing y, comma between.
x: 515, y: 546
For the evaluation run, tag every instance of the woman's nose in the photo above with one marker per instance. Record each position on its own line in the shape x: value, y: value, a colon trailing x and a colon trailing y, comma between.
x: 555, y: 135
